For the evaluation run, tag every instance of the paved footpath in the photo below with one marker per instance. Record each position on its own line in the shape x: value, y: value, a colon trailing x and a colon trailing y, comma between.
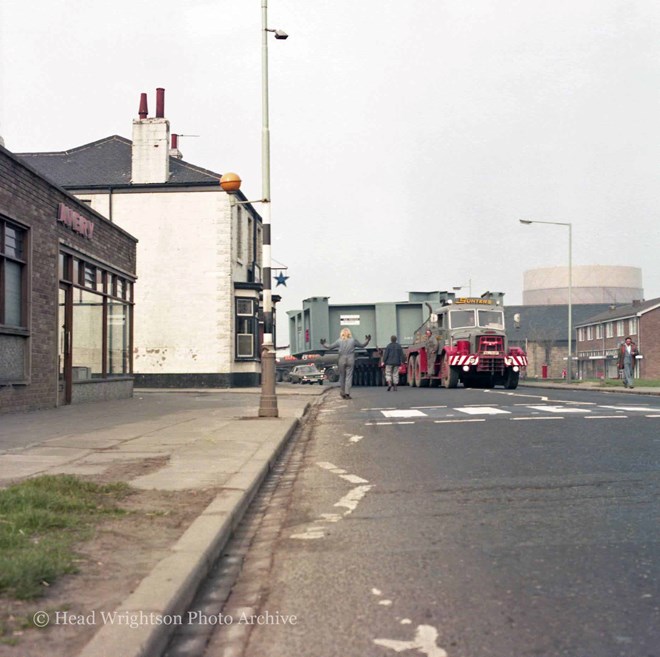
x: 207, y: 438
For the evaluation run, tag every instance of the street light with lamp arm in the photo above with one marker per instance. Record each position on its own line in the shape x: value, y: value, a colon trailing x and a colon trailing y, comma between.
x: 456, y: 288
x: 268, y: 401
x: 569, y: 367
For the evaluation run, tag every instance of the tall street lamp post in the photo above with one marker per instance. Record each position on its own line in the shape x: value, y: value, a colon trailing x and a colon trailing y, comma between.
x: 268, y: 401
x: 569, y: 367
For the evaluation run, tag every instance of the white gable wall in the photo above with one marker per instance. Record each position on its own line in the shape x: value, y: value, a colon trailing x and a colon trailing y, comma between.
x: 186, y: 265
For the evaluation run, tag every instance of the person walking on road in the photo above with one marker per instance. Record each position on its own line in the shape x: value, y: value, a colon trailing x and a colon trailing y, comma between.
x: 627, y: 354
x: 346, y: 346
x: 393, y: 358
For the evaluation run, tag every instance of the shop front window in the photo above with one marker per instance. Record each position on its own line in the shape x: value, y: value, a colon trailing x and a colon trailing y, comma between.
x: 87, y: 334
x: 101, y: 320
x: 118, y: 339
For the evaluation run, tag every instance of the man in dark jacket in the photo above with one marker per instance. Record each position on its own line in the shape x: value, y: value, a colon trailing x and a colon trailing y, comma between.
x: 393, y: 358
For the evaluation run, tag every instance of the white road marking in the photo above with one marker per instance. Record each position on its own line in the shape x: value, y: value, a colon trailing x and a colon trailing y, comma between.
x: 352, y: 498
x: 423, y: 407
x: 349, y: 501
x: 354, y: 479
x: 425, y: 642
x: 331, y: 517
x: 406, y: 621
x: 540, y: 417
x: 379, y: 408
x: 481, y: 410
x: 353, y: 439
x: 606, y: 417
x: 643, y: 409
x: 481, y: 419
x: 311, y: 533
x: 326, y: 465
x: 559, y: 409
x: 652, y: 416
x: 385, y: 603
x: 404, y: 413
x: 376, y: 591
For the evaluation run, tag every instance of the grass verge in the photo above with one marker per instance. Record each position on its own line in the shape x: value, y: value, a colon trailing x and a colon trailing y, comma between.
x: 40, y: 521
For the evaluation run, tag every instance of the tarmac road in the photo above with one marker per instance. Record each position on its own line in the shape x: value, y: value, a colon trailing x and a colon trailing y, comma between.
x: 464, y: 523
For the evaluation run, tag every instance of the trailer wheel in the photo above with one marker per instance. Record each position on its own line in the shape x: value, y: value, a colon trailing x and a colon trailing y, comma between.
x: 512, y: 380
x: 412, y: 361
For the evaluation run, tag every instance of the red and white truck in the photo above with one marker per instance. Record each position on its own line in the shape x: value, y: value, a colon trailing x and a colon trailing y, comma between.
x: 464, y: 341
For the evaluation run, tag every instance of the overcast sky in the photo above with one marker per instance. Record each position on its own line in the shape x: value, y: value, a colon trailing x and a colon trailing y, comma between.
x: 407, y: 138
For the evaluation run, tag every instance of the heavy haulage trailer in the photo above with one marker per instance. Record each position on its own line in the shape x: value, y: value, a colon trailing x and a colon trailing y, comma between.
x: 464, y: 341
x: 367, y: 370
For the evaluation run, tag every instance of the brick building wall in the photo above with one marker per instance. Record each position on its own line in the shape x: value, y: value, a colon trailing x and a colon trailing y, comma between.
x: 649, y: 344
x: 29, y: 200
x: 645, y: 332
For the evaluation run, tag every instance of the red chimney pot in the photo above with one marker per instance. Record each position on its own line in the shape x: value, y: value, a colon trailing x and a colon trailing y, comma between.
x: 160, y: 103
x: 143, y: 111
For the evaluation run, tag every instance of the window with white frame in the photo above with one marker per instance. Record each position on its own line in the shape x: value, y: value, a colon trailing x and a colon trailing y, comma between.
x: 620, y: 329
x: 632, y: 326
x: 599, y: 331
x: 609, y: 330
x: 246, y: 329
x: 14, y: 302
x: 580, y: 334
x: 13, y: 275
x: 590, y: 332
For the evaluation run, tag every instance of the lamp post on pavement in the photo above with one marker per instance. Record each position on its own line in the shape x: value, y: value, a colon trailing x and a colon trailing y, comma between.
x: 268, y: 400
x: 569, y: 367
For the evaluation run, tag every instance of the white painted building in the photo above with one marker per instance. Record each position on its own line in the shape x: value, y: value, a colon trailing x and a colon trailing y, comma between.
x: 198, y: 254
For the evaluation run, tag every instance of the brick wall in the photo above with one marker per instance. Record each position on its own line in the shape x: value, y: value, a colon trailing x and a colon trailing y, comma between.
x: 649, y: 344
x: 28, y: 199
x: 645, y: 331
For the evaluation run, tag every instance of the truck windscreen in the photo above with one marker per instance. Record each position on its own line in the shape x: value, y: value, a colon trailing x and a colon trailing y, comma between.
x: 461, y: 318
x: 493, y: 319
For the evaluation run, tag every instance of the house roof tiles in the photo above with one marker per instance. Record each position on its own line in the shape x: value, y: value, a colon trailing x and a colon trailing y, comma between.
x: 106, y: 163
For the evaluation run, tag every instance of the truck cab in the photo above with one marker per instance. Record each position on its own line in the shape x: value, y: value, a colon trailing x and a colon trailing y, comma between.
x: 465, y: 341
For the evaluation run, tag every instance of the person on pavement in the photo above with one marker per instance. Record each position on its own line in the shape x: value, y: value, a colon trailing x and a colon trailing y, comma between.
x: 393, y: 358
x: 346, y: 346
x: 627, y: 354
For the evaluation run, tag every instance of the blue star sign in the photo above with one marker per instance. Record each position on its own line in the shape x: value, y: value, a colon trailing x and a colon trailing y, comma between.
x: 281, y: 279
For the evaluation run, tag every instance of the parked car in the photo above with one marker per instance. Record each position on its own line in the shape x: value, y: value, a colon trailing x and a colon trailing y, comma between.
x: 306, y: 374
x: 331, y: 374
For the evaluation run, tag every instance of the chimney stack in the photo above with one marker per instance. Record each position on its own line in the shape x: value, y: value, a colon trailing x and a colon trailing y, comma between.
x: 150, y: 153
x: 174, y: 150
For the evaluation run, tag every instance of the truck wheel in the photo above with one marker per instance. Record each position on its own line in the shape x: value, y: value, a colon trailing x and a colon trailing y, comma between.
x: 411, y: 371
x: 448, y: 374
x: 512, y: 380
